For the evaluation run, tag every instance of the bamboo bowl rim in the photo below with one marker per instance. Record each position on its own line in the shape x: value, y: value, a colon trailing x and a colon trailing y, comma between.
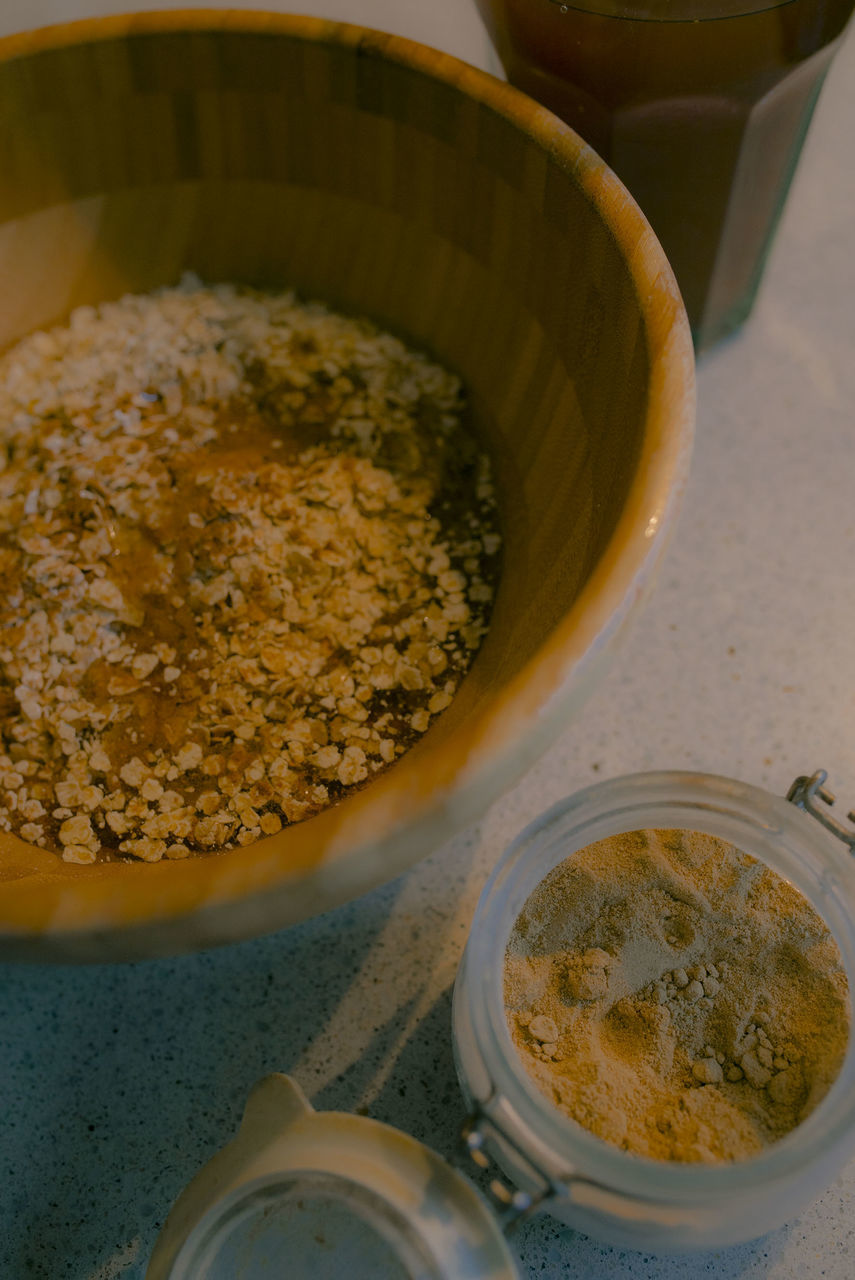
x: 384, y: 829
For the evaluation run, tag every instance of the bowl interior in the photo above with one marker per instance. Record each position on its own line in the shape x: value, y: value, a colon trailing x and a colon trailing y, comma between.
x: 395, y: 182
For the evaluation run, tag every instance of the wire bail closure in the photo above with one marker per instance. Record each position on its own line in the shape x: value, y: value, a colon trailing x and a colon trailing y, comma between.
x: 805, y: 794
x: 516, y: 1206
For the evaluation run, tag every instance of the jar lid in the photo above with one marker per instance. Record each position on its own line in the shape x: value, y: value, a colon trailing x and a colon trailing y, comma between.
x: 324, y: 1194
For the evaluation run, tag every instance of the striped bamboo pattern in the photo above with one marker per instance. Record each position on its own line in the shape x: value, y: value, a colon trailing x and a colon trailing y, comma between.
x: 393, y: 181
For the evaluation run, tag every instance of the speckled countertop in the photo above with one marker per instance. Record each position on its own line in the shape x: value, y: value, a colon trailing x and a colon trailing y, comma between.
x: 117, y: 1083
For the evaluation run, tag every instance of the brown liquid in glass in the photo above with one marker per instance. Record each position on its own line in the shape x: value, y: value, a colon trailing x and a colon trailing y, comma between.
x: 702, y: 120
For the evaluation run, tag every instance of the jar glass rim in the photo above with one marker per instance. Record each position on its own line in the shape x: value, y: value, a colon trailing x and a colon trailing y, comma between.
x: 247, y: 1222
x: 755, y: 820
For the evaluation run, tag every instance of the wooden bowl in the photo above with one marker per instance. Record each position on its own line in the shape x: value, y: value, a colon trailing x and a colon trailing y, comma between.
x: 392, y: 181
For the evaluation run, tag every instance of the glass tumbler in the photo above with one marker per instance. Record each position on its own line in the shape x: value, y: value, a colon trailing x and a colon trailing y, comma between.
x: 699, y: 106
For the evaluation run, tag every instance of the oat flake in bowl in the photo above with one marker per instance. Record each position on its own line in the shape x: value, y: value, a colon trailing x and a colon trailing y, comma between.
x: 248, y: 549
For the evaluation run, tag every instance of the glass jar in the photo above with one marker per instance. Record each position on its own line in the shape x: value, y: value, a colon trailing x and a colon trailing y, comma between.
x: 325, y: 1192
x: 554, y: 1163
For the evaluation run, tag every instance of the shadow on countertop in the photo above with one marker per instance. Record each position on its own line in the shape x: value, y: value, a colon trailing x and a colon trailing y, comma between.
x: 118, y: 1082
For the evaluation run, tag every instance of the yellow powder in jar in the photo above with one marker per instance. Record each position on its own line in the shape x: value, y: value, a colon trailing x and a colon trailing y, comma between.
x: 676, y: 997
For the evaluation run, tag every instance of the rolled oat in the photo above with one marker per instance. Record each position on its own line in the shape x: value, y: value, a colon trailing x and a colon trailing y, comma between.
x: 248, y: 551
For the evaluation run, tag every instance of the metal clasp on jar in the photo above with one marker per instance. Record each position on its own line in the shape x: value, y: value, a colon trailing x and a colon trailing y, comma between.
x: 515, y: 1205
x: 806, y: 793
